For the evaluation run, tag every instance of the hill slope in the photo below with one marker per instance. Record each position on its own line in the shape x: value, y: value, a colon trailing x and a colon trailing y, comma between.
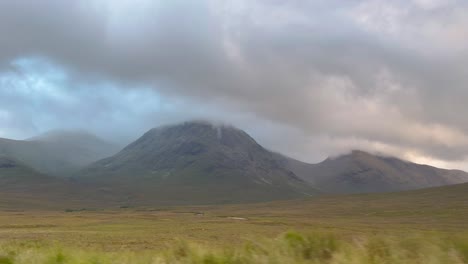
x: 196, y: 162
x: 57, y: 153
x: 15, y: 176
x: 21, y: 185
x: 361, y: 172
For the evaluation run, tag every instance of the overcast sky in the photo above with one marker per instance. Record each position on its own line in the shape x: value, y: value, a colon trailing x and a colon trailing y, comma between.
x: 307, y: 78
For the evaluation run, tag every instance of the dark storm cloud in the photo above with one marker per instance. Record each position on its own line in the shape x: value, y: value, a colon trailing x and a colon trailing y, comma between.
x: 382, y: 75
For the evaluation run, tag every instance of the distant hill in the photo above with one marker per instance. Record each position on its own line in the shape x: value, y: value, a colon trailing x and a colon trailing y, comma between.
x: 19, y: 183
x: 193, y: 163
x: 15, y: 176
x: 23, y: 187
x: 196, y: 162
x: 361, y: 172
x: 58, y: 153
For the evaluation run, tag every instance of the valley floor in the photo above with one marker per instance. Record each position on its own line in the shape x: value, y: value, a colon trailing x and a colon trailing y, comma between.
x: 407, y: 227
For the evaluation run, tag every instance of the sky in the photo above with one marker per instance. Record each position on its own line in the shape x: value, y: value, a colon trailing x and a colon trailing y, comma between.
x: 309, y: 79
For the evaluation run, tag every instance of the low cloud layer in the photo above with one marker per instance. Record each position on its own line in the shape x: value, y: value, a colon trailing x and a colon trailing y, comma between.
x: 307, y: 78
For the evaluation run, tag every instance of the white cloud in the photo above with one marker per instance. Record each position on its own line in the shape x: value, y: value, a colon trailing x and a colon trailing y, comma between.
x: 433, y: 4
x: 423, y: 25
x: 325, y: 76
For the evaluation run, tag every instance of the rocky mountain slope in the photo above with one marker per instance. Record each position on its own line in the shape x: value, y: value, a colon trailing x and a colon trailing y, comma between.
x: 196, y: 162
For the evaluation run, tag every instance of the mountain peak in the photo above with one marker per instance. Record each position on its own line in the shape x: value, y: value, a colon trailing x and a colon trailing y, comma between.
x: 200, y: 126
x: 357, y: 152
x: 199, y: 159
x: 193, y: 141
x: 357, y: 155
x: 202, y: 133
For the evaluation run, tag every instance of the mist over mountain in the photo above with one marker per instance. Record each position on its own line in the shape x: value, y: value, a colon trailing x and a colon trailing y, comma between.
x: 58, y: 153
x: 196, y: 162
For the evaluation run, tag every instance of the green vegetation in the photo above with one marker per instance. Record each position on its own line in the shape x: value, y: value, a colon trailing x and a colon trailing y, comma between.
x: 424, y: 226
x: 289, y: 248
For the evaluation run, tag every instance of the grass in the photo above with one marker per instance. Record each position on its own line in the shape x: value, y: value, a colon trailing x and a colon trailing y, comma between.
x: 291, y: 247
x: 426, y: 226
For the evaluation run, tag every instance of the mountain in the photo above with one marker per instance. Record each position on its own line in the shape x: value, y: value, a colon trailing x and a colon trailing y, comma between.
x: 15, y: 176
x: 22, y: 184
x: 196, y: 162
x: 23, y: 187
x: 361, y: 172
x: 58, y: 153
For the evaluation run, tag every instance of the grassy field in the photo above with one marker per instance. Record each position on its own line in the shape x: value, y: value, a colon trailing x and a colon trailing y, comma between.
x: 291, y: 247
x: 427, y: 226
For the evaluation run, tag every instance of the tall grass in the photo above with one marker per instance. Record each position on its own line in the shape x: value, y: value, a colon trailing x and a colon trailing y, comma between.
x: 289, y: 248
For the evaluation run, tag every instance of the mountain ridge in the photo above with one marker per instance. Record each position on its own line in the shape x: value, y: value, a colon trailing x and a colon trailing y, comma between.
x: 203, y: 163
x: 362, y: 172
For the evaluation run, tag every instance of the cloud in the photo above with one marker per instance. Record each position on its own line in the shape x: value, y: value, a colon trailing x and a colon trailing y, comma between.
x: 381, y: 75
